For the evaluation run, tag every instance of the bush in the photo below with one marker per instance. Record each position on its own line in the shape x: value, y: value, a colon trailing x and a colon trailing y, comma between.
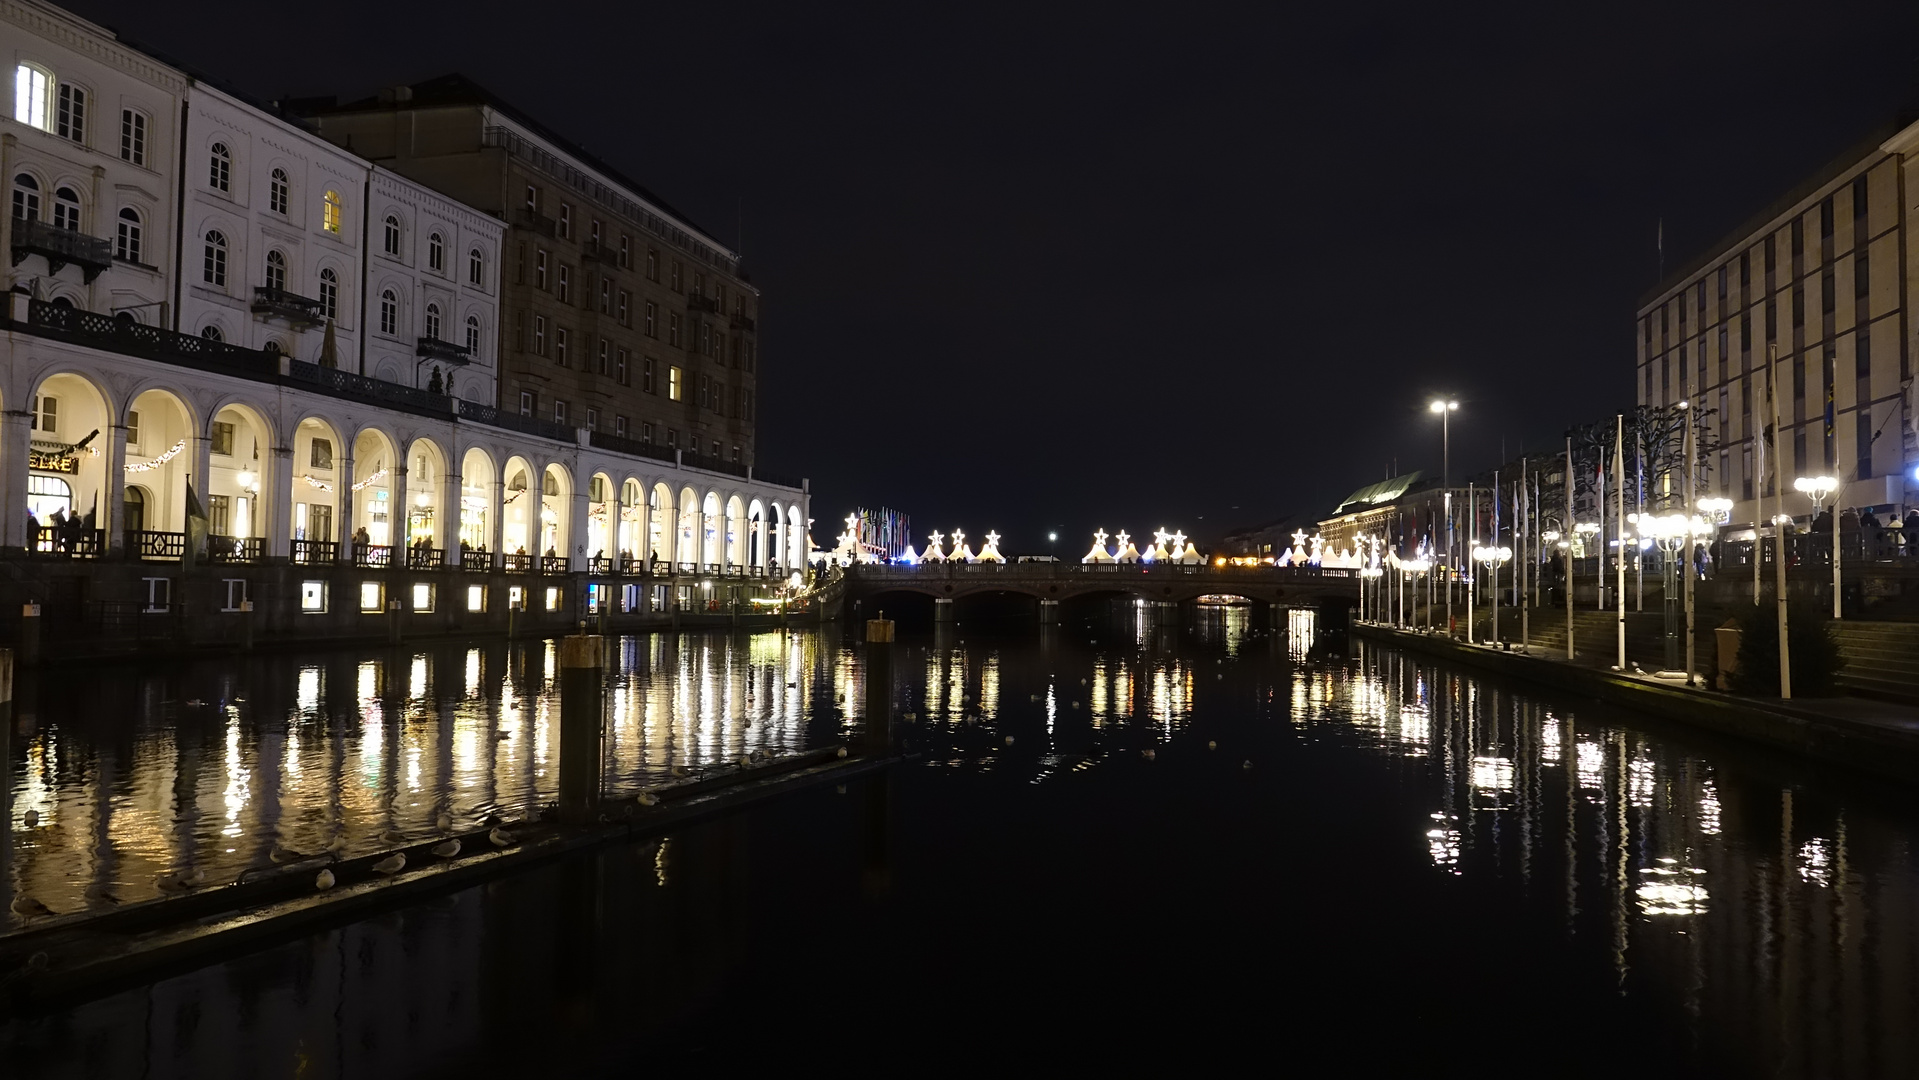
x: 1815, y: 649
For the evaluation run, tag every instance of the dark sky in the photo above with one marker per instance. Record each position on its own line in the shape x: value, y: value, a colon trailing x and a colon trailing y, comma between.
x: 1032, y: 266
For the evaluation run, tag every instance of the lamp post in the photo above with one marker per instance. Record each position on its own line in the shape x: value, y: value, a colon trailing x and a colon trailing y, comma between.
x: 1494, y: 558
x: 1446, y: 408
x: 1817, y: 488
x: 1420, y: 566
x: 1588, y: 531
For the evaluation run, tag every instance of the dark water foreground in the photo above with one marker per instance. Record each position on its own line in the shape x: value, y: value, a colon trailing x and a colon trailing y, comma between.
x: 1421, y: 873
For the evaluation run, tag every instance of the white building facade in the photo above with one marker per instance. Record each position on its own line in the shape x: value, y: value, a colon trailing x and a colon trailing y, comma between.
x: 89, y: 146
x: 433, y: 290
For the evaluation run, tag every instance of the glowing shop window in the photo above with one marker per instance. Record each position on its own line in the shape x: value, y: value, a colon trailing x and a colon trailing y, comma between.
x: 370, y: 598
x: 476, y: 598
x: 313, y: 596
x: 515, y: 598
x: 552, y: 598
x: 422, y: 596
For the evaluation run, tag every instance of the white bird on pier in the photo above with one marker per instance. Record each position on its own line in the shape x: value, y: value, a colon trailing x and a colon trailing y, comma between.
x: 323, y: 880
x: 647, y: 798
x: 282, y: 854
x: 30, y: 818
x: 28, y: 908
x: 392, y: 836
x: 448, y: 849
x: 390, y: 865
x: 444, y: 822
x: 500, y: 837
x: 338, y: 845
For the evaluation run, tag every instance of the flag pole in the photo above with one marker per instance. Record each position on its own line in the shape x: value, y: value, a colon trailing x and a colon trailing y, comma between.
x: 1779, y: 528
x: 1619, y: 525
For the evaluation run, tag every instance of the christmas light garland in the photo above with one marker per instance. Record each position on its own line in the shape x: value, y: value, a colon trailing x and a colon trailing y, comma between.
x: 149, y: 466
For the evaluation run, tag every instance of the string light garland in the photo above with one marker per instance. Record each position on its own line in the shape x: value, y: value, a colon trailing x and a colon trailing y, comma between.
x: 371, y: 480
x: 320, y: 485
x: 149, y: 466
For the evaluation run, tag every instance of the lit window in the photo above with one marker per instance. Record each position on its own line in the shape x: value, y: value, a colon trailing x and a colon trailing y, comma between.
x: 277, y: 190
x: 330, y: 212
x: 214, y: 272
x: 473, y: 334
x: 71, y: 120
x: 313, y: 596
x: 433, y: 321
x: 673, y: 382
x: 26, y: 198
x: 475, y: 267
x: 220, y: 168
x: 476, y: 598
x: 276, y: 271
x: 329, y: 294
x: 370, y: 598
x: 389, y: 313
x: 436, y: 253
x: 133, y: 136
x: 30, y: 97
x: 126, y: 242
x: 552, y: 598
x: 516, y: 596
x: 422, y: 596
x: 66, y: 209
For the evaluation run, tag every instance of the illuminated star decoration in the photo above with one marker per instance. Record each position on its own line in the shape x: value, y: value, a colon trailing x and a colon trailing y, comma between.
x: 1098, y: 553
x: 990, y: 553
x: 1299, y: 540
x: 933, y: 553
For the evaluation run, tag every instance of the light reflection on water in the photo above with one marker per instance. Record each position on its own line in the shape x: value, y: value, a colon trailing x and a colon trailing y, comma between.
x: 1746, y: 902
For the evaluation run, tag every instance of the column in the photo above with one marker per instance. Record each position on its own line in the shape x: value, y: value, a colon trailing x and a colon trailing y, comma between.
x: 576, y: 552
x: 343, y: 524
x: 113, y: 491
x: 17, y: 435
x: 396, y: 511
x: 278, y: 489
x: 496, y: 523
x: 200, y: 472
x: 447, y: 527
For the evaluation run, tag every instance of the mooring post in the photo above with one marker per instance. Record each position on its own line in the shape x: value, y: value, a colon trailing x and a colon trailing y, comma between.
x: 879, y: 685
x: 582, y: 657
x: 393, y: 622
x: 246, y: 625
x: 29, y: 633
x: 1048, y: 612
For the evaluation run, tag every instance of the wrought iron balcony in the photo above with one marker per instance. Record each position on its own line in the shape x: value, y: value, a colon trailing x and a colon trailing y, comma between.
x: 286, y: 306
x: 436, y: 349
x: 696, y: 302
x: 61, y: 246
x: 529, y: 218
x: 744, y: 322
x: 599, y: 251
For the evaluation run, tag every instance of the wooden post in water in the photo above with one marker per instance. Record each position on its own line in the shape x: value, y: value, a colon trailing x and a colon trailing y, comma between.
x: 29, y: 633
x: 582, y: 659
x: 879, y: 685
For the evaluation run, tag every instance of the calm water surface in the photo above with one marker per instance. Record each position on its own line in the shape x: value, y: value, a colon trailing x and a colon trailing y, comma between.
x: 1348, y: 862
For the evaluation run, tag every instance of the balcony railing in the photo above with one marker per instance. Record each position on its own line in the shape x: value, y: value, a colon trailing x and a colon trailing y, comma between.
x: 68, y: 543
x: 600, y: 440
x: 552, y: 564
x: 529, y: 218
x: 137, y: 339
x: 307, y: 552
x: 520, y: 563
x: 233, y: 549
x: 474, y: 561
x: 61, y: 246
x: 696, y: 302
x: 290, y: 307
x: 376, y: 556
x: 599, y: 251
x: 342, y: 383
x: 529, y: 425
x: 153, y: 545
x: 435, y: 349
x: 744, y: 322
x: 777, y: 479
x: 424, y: 558
x: 691, y: 460
x: 599, y: 564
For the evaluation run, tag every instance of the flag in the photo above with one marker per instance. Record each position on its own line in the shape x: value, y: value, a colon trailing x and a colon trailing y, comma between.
x: 196, y: 527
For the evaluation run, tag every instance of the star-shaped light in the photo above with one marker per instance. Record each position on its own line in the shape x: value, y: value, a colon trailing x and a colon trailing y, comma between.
x: 1179, y: 541
x: 958, y: 537
x: 1099, y: 537
x: 935, y: 538
x: 1160, y: 536
x: 992, y: 539
x: 1121, y: 538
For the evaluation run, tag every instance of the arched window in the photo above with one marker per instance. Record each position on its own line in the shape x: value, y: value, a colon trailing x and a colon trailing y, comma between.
x: 389, y: 313
x: 26, y: 198
x: 66, y: 209
x: 473, y: 334
x: 276, y: 271
x: 433, y: 321
x: 330, y: 212
x: 277, y: 192
x: 436, y: 253
x: 126, y: 242
x: 392, y: 246
x: 31, y: 98
x: 212, y: 333
x: 329, y: 293
x: 475, y: 267
x: 214, y: 272
x: 220, y: 168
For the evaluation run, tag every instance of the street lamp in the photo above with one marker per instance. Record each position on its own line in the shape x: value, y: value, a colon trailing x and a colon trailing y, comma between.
x: 1420, y: 566
x: 1494, y: 558
x: 1817, y: 488
x: 1446, y: 408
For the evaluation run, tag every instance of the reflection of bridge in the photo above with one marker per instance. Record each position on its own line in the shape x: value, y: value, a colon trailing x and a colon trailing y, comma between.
x: 1052, y: 583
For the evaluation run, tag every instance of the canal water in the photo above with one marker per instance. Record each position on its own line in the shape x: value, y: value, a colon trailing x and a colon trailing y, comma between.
x: 1117, y: 845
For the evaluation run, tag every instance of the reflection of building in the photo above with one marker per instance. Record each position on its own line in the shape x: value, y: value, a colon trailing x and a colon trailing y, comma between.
x: 1820, y: 278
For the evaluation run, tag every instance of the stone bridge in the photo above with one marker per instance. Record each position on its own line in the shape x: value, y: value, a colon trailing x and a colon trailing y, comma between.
x: 1052, y: 583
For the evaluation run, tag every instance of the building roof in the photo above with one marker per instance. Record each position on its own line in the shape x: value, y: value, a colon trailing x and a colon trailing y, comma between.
x: 457, y: 89
x: 1385, y: 491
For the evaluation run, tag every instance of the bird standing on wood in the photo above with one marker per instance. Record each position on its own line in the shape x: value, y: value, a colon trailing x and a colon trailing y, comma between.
x: 390, y: 865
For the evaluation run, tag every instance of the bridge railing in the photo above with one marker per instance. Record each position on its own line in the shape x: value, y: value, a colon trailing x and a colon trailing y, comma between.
x: 1067, y: 571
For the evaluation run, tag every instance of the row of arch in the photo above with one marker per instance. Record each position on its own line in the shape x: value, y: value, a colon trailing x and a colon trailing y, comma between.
x: 124, y: 469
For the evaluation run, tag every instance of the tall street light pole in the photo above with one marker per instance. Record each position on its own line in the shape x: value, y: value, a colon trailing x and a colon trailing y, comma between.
x: 1446, y: 409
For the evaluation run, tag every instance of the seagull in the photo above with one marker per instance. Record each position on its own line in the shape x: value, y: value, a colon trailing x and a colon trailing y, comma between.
x: 1211, y: 745
x: 338, y: 845
x: 1075, y: 704
x: 1009, y: 740
x: 1082, y: 682
x: 448, y: 849
x: 324, y: 880
x: 392, y: 836
x: 444, y: 821
x: 28, y: 908
x: 500, y: 837
x: 390, y: 865
x: 647, y: 798
x: 102, y: 894
x: 281, y: 854
x: 679, y: 770
x: 30, y: 818
x: 745, y: 761
x: 842, y: 751
x: 1247, y: 764
x: 1148, y: 754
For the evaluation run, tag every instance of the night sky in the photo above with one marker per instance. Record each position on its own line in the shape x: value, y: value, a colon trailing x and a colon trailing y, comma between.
x: 1033, y: 266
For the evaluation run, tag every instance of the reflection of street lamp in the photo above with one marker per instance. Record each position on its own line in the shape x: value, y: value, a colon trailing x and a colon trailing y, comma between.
x: 1817, y: 488
x: 1494, y: 558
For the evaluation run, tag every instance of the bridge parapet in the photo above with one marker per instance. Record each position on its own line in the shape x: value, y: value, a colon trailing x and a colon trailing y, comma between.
x: 1170, y: 581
